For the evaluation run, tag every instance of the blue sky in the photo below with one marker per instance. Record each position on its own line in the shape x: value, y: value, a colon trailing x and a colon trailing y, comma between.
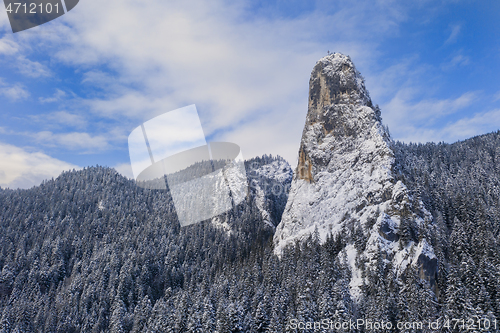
x: 73, y: 89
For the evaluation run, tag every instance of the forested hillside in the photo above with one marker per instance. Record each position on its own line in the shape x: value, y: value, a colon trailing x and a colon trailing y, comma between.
x: 92, y: 252
x: 85, y: 251
x: 460, y: 184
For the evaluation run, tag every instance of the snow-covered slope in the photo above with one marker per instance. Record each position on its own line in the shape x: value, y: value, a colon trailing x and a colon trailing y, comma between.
x: 268, y: 179
x: 344, y: 180
x: 269, y: 182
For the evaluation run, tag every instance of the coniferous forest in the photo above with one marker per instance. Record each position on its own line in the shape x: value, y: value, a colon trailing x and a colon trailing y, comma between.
x: 92, y: 252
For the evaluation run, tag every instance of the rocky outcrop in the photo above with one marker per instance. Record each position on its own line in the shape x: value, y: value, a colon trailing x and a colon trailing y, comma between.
x: 344, y: 182
x: 269, y: 184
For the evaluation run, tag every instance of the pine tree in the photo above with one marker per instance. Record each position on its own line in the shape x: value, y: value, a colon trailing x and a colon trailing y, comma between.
x: 223, y: 324
x: 208, y: 317
x: 116, y: 322
x: 141, y: 314
x: 261, y: 315
x: 458, y: 302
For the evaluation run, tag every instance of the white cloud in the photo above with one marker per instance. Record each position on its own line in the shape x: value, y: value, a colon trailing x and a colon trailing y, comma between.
x: 68, y: 119
x: 455, y: 31
x: 4, y: 21
x: 428, y: 110
x: 74, y: 140
x: 58, y: 95
x: 461, y: 129
x: 405, y: 116
x: 386, y: 83
x: 238, y: 70
x: 32, y: 69
x: 275, y: 134
x: 125, y: 170
x: 8, y: 47
x: 13, y: 92
x: 20, y: 168
x: 456, y: 61
x: 61, y: 119
x: 480, y: 123
x: 247, y: 75
x: 410, y: 104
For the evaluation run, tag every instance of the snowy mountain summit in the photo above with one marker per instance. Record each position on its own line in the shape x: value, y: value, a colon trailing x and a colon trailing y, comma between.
x: 344, y: 184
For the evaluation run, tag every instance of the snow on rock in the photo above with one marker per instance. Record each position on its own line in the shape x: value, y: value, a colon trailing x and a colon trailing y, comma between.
x: 270, y: 182
x: 356, y: 278
x: 344, y: 179
x: 278, y: 170
x: 260, y: 201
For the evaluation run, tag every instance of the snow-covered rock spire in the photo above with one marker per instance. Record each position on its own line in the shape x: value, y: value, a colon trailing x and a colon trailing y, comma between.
x: 344, y: 181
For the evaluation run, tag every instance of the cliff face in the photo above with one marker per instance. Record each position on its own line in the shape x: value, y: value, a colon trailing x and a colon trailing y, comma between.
x: 336, y: 95
x: 344, y: 183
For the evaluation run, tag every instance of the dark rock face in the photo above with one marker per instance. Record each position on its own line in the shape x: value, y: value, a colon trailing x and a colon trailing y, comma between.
x: 428, y: 269
x: 388, y: 232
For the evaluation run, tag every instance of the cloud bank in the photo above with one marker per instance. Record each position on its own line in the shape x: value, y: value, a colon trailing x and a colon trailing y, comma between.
x: 245, y: 64
x: 20, y: 168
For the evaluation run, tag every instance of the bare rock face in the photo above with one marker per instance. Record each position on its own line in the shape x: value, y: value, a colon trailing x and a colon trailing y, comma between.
x: 344, y: 183
x: 336, y: 88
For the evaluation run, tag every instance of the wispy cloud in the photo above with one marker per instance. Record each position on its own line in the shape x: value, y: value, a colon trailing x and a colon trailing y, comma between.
x: 8, y: 47
x: 75, y: 140
x: 456, y: 61
x: 13, y: 92
x: 58, y: 95
x: 4, y: 22
x: 32, y: 69
x: 480, y: 123
x: 412, y: 119
x: 455, y: 32
x: 461, y: 129
x: 125, y: 169
x: 61, y: 119
x: 412, y: 103
x: 246, y: 73
x: 20, y: 168
x: 198, y: 55
x: 428, y: 110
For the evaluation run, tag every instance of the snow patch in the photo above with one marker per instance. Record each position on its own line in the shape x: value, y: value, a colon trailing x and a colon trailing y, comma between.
x: 356, y: 278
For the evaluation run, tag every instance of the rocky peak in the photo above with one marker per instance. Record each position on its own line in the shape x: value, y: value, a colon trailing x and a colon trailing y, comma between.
x: 340, y: 108
x: 335, y: 80
x: 344, y: 182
